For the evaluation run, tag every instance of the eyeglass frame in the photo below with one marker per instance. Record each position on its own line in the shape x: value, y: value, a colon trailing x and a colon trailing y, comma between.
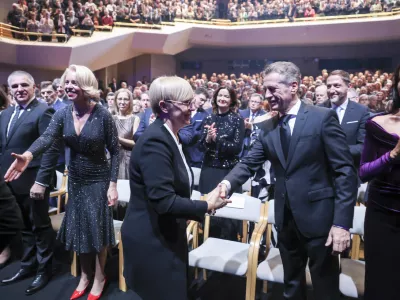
x: 190, y: 103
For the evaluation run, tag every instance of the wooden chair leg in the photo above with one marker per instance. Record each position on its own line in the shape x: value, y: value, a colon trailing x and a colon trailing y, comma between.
x: 74, y: 266
x: 265, y: 287
x: 122, y: 283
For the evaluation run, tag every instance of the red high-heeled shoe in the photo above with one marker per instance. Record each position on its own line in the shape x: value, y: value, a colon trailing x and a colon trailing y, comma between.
x: 78, y: 294
x: 93, y: 297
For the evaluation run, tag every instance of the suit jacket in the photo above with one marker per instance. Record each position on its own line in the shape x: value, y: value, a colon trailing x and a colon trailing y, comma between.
x: 318, y: 181
x: 190, y: 136
x: 32, y: 123
x: 144, y: 123
x: 353, y: 125
x: 113, y: 87
x: 155, y: 224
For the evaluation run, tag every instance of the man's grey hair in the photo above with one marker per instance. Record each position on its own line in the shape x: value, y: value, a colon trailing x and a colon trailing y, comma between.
x: 257, y: 95
x: 20, y: 73
x: 288, y: 70
x: 56, y: 83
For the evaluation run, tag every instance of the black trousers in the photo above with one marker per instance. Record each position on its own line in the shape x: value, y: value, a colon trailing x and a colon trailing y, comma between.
x: 10, y: 216
x: 296, y: 250
x: 37, y: 235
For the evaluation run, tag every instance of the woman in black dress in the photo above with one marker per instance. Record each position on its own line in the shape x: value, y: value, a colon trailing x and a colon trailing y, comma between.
x: 222, y: 141
x: 88, y: 129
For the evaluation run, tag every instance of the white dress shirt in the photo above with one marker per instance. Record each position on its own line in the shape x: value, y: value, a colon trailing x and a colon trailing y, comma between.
x: 21, y: 111
x: 182, y: 155
x: 341, y: 109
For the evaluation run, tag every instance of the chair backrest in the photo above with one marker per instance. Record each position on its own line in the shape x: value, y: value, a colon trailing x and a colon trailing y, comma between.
x: 59, y: 180
x: 124, y: 190
x: 271, y: 211
x: 358, y: 220
x: 250, y: 212
x: 196, y: 195
x: 246, y: 187
x: 196, y: 176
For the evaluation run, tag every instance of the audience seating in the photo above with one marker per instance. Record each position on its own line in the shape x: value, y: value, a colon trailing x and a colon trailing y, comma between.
x: 61, y: 189
x: 233, y: 257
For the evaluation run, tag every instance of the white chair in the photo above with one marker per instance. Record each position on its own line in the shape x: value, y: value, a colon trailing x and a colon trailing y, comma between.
x: 61, y: 189
x: 196, y: 176
x: 351, y: 280
x: 271, y: 269
x: 246, y: 187
x: 193, y: 225
x: 229, y: 256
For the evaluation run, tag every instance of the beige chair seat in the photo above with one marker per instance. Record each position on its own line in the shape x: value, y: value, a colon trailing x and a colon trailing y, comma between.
x: 56, y: 221
x: 221, y: 256
x: 271, y: 269
x: 351, y: 280
x: 117, y: 229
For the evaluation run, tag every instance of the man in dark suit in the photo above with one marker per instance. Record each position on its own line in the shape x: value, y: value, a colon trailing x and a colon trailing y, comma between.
x: 113, y: 85
x: 316, y: 184
x: 20, y: 127
x: 249, y: 114
x: 62, y: 95
x: 190, y: 134
x: 145, y: 120
x: 352, y: 116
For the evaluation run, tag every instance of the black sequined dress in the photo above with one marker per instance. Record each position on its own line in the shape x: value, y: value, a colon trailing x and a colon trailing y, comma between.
x: 88, y: 224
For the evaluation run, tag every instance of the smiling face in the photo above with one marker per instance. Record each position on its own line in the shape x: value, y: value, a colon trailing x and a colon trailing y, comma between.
x: 223, y: 100
x: 123, y: 102
x: 337, y: 89
x: 279, y: 94
x: 22, y: 89
x: 74, y: 92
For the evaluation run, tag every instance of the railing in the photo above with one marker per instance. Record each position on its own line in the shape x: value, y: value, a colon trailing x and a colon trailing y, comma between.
x: 138, y: 25
x: 12, y: 32
x: 220, y: 22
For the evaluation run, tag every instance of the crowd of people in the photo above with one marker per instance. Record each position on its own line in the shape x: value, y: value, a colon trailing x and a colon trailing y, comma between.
x: 62, y: 16
x: 231, y: 127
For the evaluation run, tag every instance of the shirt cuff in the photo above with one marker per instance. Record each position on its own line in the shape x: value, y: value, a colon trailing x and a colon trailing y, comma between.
x: 228, y: 185
x: 342, y: 227
x: 42, y: 184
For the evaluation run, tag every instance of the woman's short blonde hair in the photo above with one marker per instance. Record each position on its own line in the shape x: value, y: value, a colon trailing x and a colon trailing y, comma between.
x: 85, y: 80
x: 130, y: 109
x: 169, y: 88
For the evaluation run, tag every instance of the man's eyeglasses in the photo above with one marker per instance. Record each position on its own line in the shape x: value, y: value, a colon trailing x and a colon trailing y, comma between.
x: 187, y: 104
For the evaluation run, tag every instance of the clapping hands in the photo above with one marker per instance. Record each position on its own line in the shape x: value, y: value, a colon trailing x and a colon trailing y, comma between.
x: 211, y: 133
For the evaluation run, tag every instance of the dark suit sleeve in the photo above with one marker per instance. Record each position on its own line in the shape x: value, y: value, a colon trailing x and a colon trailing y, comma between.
x: 248, y: 166
x: 158, y: 176
x: 141, y: 127
x: 356, y: 150
x: 186, y: 134
x: 50, y: 157
x: 344, y: 174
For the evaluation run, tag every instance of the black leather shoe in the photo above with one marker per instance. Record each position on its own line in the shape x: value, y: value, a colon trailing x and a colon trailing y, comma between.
x: 20, y: 275
x: 40, y: 281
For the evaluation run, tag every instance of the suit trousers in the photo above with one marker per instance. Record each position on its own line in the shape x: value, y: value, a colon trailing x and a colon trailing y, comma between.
x: 37, y: 235
x: 296, y: 251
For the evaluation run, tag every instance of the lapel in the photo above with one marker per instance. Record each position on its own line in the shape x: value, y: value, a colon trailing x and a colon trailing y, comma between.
x: 348, y: 113
x: 5, y: 120
x: 23, y: 117
x: 276, y: 141
x: 297, y: 130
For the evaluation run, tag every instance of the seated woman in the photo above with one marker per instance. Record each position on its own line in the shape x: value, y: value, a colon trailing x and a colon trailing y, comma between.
x: 154, y: 229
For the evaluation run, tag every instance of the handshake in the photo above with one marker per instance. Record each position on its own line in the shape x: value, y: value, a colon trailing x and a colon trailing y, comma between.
x: 217, y: 198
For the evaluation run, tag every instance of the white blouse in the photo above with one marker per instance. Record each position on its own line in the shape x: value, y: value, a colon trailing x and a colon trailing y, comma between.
x: 182, y: 155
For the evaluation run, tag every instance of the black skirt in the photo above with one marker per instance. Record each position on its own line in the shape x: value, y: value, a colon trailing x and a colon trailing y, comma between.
x: 382, y: 248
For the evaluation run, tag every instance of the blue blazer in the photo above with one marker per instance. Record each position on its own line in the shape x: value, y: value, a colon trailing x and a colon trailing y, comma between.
x: 190, y: 136
x: 144, y: 123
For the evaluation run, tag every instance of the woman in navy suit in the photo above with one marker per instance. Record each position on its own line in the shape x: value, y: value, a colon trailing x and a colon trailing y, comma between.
x: 154, y: 229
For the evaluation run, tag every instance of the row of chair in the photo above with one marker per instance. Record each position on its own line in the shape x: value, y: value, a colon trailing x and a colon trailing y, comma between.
x: 236, y: 258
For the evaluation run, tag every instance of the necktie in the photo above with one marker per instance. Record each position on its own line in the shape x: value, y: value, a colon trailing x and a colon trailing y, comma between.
x: 338, y: 110
x: 14, y: 119
x: 253, y: 116
x: 285, y: 134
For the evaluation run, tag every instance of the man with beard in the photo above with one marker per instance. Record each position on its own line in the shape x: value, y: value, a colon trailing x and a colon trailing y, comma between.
x: 316, y: 184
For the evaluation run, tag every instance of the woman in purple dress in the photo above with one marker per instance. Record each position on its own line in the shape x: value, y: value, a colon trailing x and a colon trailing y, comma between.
x: 380, y: 165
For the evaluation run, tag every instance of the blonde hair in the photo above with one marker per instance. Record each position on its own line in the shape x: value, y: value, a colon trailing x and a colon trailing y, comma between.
x: 85, y: 80
x: 169, y: 88
x: 130, y: 109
